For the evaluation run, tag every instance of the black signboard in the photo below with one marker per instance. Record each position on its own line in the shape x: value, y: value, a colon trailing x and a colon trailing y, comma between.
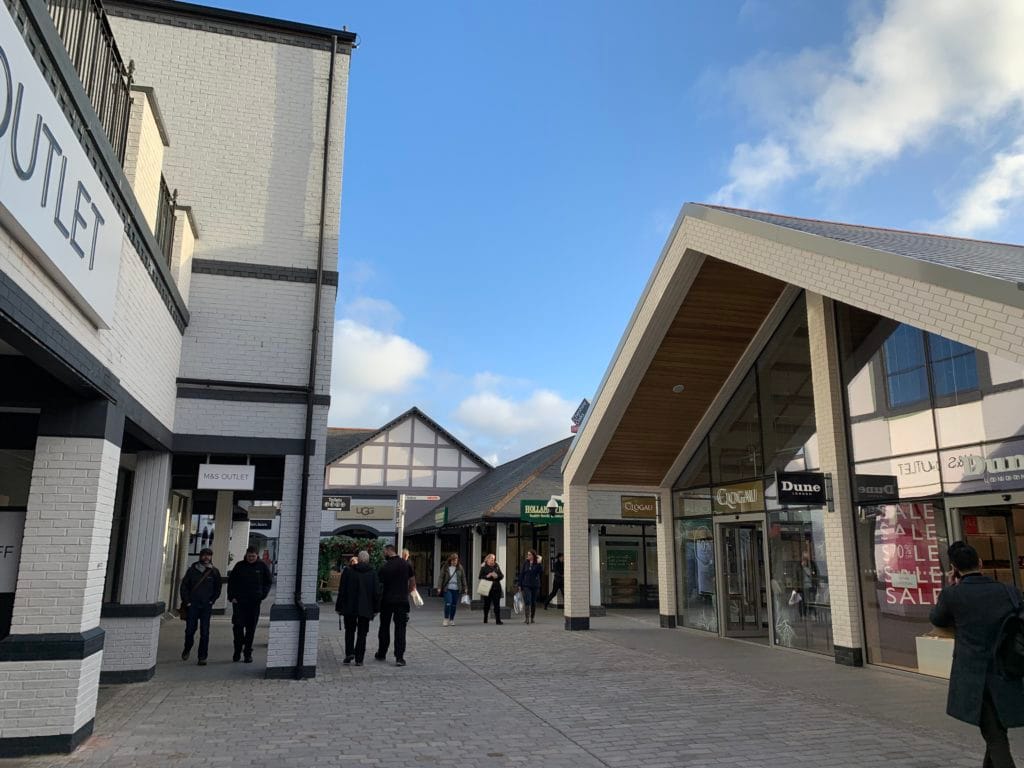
x: 260, y: 525
x: 801, y: 488
x: 875, y: 487
x: 339, y: 503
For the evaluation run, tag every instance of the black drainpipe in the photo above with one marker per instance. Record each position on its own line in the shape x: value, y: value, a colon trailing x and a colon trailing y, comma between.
x: 314, y: 348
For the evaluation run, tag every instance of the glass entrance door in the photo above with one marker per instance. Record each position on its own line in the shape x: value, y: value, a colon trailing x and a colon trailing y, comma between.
x: 991, y: 531
x: 745, y: 603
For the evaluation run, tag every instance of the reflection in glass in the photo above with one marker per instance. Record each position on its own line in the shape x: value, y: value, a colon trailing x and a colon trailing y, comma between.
x: 736, y: 437
x: 695, y: 574
x: 698, y: 469
x: 787, y: 396
x: 901, y: 550
x: 801, y: 601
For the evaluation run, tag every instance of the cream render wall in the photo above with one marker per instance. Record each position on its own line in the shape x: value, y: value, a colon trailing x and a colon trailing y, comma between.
x: 144, y: 156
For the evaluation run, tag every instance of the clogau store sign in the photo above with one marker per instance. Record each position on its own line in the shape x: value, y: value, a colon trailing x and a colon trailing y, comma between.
x: 51, y: 199
x: 739, y: 497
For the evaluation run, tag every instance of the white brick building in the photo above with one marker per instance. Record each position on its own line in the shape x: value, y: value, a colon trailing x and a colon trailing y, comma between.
x: 144, y: 332
x: 820, y: 409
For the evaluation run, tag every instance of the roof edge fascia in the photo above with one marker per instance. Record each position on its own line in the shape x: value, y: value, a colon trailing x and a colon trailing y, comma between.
x: 950, y: 278
x: 585, y: 434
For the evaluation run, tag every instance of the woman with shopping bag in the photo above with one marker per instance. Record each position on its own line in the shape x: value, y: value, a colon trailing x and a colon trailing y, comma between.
x: 489, y: 587
x: 451, y: 584
x: 531, y: 575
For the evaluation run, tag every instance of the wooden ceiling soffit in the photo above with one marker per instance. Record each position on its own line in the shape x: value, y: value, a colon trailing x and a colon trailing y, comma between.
x: 721, y: 314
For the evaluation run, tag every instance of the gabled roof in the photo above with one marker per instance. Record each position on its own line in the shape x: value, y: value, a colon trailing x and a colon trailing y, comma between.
x: 988, y: 270
x: 342, y: 441
x: 496, y: 495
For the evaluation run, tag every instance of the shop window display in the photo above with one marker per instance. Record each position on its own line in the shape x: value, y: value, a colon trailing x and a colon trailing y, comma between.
x: 695, y: 548
x: 901, y: 549
x: 801, y: 603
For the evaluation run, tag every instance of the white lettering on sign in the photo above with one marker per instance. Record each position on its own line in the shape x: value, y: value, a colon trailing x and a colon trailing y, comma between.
x: 51, y: 198
x: 733, y: 499
x: 226, y: 477
x: 788, y: 485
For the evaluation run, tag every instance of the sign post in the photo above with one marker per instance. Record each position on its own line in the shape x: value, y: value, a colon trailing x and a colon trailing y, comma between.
x: 400, y: 516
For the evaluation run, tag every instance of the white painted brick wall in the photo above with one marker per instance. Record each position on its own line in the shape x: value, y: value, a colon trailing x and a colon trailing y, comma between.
x: 265, y: 102
x: 39, y: 698
x: 67, y: 535
x: 223, y: 417
x: 144, y: 157
x: 577, y: 552
x: 130, y: 643
x: 143, y: 346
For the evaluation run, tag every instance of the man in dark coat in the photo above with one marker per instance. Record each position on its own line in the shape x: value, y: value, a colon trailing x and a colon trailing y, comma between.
x: 248, y: 585
x: 200, y: 588
x: 975, y: 605
x: 397, y: 580
x: 357, y: 603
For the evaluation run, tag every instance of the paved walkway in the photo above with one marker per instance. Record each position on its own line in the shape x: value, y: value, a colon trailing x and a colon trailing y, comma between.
x: 623, y: 694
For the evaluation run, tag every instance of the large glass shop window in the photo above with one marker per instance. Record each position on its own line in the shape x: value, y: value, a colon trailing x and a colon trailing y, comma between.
x: 695, y: 573
x: 801, y: 602
x: 901, y: 549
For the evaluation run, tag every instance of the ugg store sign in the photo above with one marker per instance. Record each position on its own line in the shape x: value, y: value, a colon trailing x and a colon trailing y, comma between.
x: 51, y: 199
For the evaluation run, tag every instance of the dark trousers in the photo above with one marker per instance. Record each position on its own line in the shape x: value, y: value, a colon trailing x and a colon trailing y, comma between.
x: 997, y: 746
x: 244, y: 617
x: 356, y: 628
x: 558, y: 586
x: 399, y: 612
x: 493, y: 600
x: 198, y: 616
x: 530, y: 601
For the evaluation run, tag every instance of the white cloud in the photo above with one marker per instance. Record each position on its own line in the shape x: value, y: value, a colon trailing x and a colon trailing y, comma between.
x: 376, y: 313
x: 371, y: 369
x: 907, y: 76
x: 992, y: 197
x: 507, y: 427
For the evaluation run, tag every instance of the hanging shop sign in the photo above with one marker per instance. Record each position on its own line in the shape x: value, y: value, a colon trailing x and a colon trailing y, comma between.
x: 51, y: 198
x: 226, y: 477
x: 801, y: 488
x: 536, y: 511
x: 261, y: 525
x: 441, y: 516
x: 338, y: 503
x: 358, y: 511
x: 12, y: 529
x: 639, y: 507
x: 738, y: 498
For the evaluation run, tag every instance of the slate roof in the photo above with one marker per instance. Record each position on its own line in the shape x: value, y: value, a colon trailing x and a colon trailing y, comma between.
x: 342, y: 441
x: 999, y: 260
x: 496, y: 495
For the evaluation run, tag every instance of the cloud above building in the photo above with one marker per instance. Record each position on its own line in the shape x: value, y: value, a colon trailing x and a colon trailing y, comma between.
x: 909, y: 79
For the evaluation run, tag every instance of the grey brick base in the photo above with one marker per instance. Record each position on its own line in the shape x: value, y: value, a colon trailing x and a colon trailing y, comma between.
x: 19, y: 746
x: 850, y: 657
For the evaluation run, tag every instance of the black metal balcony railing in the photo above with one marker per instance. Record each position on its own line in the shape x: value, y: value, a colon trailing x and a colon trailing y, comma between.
x: 164, y: 229
x: 85, y: 30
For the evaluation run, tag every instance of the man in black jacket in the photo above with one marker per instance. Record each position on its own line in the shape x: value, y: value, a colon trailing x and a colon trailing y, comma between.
x: 976, y: 605
x: 397, y: 580
x: 200, y: 589
x: 357, y: 603
x: 558, y: 569
x: 248, y: 585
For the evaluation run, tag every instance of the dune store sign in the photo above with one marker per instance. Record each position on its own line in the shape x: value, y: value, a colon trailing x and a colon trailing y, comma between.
x: 51, y: 199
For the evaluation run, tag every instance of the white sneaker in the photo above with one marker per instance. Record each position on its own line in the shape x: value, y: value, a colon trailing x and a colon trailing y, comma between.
x: 444, y: 622
x: 451, y: 622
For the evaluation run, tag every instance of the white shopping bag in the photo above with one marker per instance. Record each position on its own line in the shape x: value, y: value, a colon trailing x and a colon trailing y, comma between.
x: 465, y: 600
x: 517, y: 602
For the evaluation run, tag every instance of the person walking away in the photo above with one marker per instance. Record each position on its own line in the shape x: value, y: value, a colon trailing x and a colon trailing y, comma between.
x: 452, y: 583
x: 397, y: 580
x: 248, y: 586
x: 530, y: 575
x: 975, y: 605
x: 558, y: 584
x: 490, y: 572
x: 357, y: 604
x: 200, y: 588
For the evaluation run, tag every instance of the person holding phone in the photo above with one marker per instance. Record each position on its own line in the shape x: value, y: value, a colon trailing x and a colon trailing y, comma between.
x: 975, y: 606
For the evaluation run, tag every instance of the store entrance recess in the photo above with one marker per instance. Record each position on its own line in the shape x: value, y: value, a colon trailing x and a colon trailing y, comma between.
x: 997, y: 532
x: 745, y: 606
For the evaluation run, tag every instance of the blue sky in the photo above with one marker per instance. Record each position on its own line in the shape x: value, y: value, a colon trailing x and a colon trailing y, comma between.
x: 512, y: 171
